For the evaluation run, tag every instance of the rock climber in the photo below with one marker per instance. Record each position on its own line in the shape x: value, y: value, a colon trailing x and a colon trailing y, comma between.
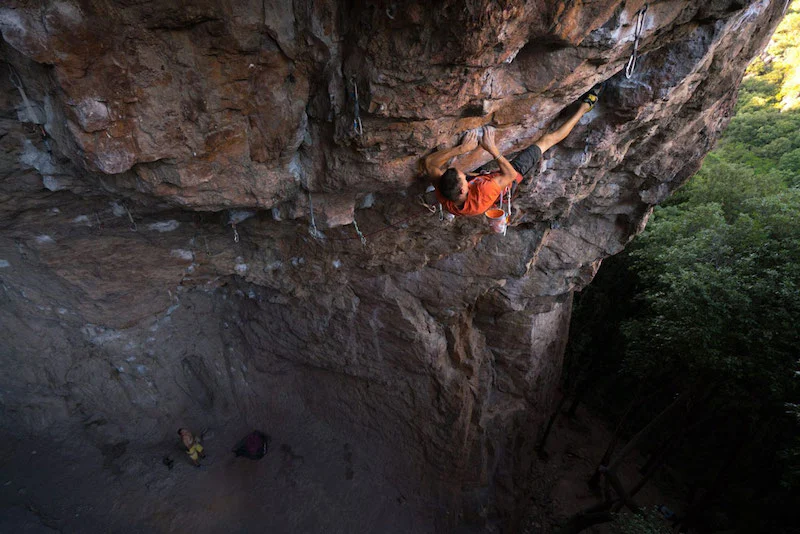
x: 461, y: 195
x: 193, y: 447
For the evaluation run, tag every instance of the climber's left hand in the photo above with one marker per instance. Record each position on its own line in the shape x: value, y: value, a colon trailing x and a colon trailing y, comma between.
x: 470, y: 141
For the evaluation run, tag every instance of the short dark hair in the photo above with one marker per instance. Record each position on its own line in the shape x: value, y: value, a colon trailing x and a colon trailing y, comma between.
x: 450, y: 184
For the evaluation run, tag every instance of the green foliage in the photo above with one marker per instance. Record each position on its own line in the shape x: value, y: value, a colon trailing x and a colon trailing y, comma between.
x: 718, y: 264
x: 727, y: 184
x: 648, y: 522
x: 765, y: 132
x: 721, y: 288
x: 708, y: 299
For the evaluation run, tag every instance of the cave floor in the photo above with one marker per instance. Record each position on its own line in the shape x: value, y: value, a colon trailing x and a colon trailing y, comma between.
x: 318, y: 484
x: 310, y: 481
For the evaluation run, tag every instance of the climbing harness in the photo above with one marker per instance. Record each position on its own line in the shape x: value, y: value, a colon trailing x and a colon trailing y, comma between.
x: 133, y: 226
x: 631, y: 66
x: 358, y: 128
x: 360, y: 235
x: 235, y: 233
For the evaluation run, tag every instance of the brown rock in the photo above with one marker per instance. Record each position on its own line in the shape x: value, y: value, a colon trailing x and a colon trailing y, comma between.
x: 437, y: 340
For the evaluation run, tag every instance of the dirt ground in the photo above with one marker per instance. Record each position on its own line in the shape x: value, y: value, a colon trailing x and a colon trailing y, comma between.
x: 560, y: 487
x: 315, y: 482
x: 310, y: 481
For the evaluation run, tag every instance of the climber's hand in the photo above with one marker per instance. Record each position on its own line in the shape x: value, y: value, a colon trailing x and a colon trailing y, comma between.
x: 487, y: 141
x: 470, y: 141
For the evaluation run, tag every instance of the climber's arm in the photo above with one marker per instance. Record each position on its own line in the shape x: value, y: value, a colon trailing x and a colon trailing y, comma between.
x: 507, y: 172
x: 435, y: 164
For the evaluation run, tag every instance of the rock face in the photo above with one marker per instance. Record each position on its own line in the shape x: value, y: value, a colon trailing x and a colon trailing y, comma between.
x: 138, y: 136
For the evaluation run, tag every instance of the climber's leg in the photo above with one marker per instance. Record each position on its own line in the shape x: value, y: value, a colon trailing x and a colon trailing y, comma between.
x: 587, y: 103
x: 553, y: 138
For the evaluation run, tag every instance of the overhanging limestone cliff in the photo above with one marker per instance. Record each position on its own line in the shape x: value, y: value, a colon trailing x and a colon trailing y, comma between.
x: 133, y: 131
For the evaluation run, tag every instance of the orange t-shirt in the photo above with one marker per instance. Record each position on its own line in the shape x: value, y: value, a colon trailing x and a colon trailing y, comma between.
x: 483, y: 193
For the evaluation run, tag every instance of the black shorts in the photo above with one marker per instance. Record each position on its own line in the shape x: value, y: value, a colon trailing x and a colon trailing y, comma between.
x: 527, y: 160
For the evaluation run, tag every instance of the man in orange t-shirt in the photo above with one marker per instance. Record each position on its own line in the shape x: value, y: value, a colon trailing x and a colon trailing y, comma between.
x: 462, y: 197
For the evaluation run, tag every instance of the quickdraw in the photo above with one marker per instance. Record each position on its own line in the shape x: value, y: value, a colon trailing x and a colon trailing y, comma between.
x: 507, y: 214
x: 235, y: 233
x: 315, y: 233
x: 133, y: 226
x: 358, y: 128
x: 360, y: 235
x: 585, y: 155
x: 631, y: 66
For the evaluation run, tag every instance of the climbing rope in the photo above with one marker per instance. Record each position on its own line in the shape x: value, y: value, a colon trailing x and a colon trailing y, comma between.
x: 235, y: 233
x: 510, y: 209
x: 631, y: 67
x: 503, y: 204
x: 133, y: 226
x: 360, y: 235
x: 17, y: 82
x: 358, y: 128
x: 315, y: 233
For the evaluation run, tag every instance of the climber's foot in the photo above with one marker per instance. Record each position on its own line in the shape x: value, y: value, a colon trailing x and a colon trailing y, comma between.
x: 593, y: 94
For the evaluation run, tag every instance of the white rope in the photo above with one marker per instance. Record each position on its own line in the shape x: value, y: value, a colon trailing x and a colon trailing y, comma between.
x: 235, y: 233
x: 17, y: 82
x: 360, y: 235
x: 508, y: 219
x: 133, y: 223
x: 315, y: 233
x: 631, y: 66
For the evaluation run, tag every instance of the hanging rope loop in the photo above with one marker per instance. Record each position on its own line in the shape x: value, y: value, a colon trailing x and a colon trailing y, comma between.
x: 631, y: 66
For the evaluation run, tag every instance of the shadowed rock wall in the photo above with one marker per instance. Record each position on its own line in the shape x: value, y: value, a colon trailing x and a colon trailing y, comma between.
x: 133, y: 133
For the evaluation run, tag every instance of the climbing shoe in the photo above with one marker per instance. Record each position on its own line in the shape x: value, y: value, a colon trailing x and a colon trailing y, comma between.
x: 593, y: 94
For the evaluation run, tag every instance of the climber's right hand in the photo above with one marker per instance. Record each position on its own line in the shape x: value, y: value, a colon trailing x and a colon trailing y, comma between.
x: 487, y: 141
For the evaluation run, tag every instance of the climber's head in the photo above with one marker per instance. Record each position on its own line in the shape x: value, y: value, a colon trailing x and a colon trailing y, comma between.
x: 453, y: 185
